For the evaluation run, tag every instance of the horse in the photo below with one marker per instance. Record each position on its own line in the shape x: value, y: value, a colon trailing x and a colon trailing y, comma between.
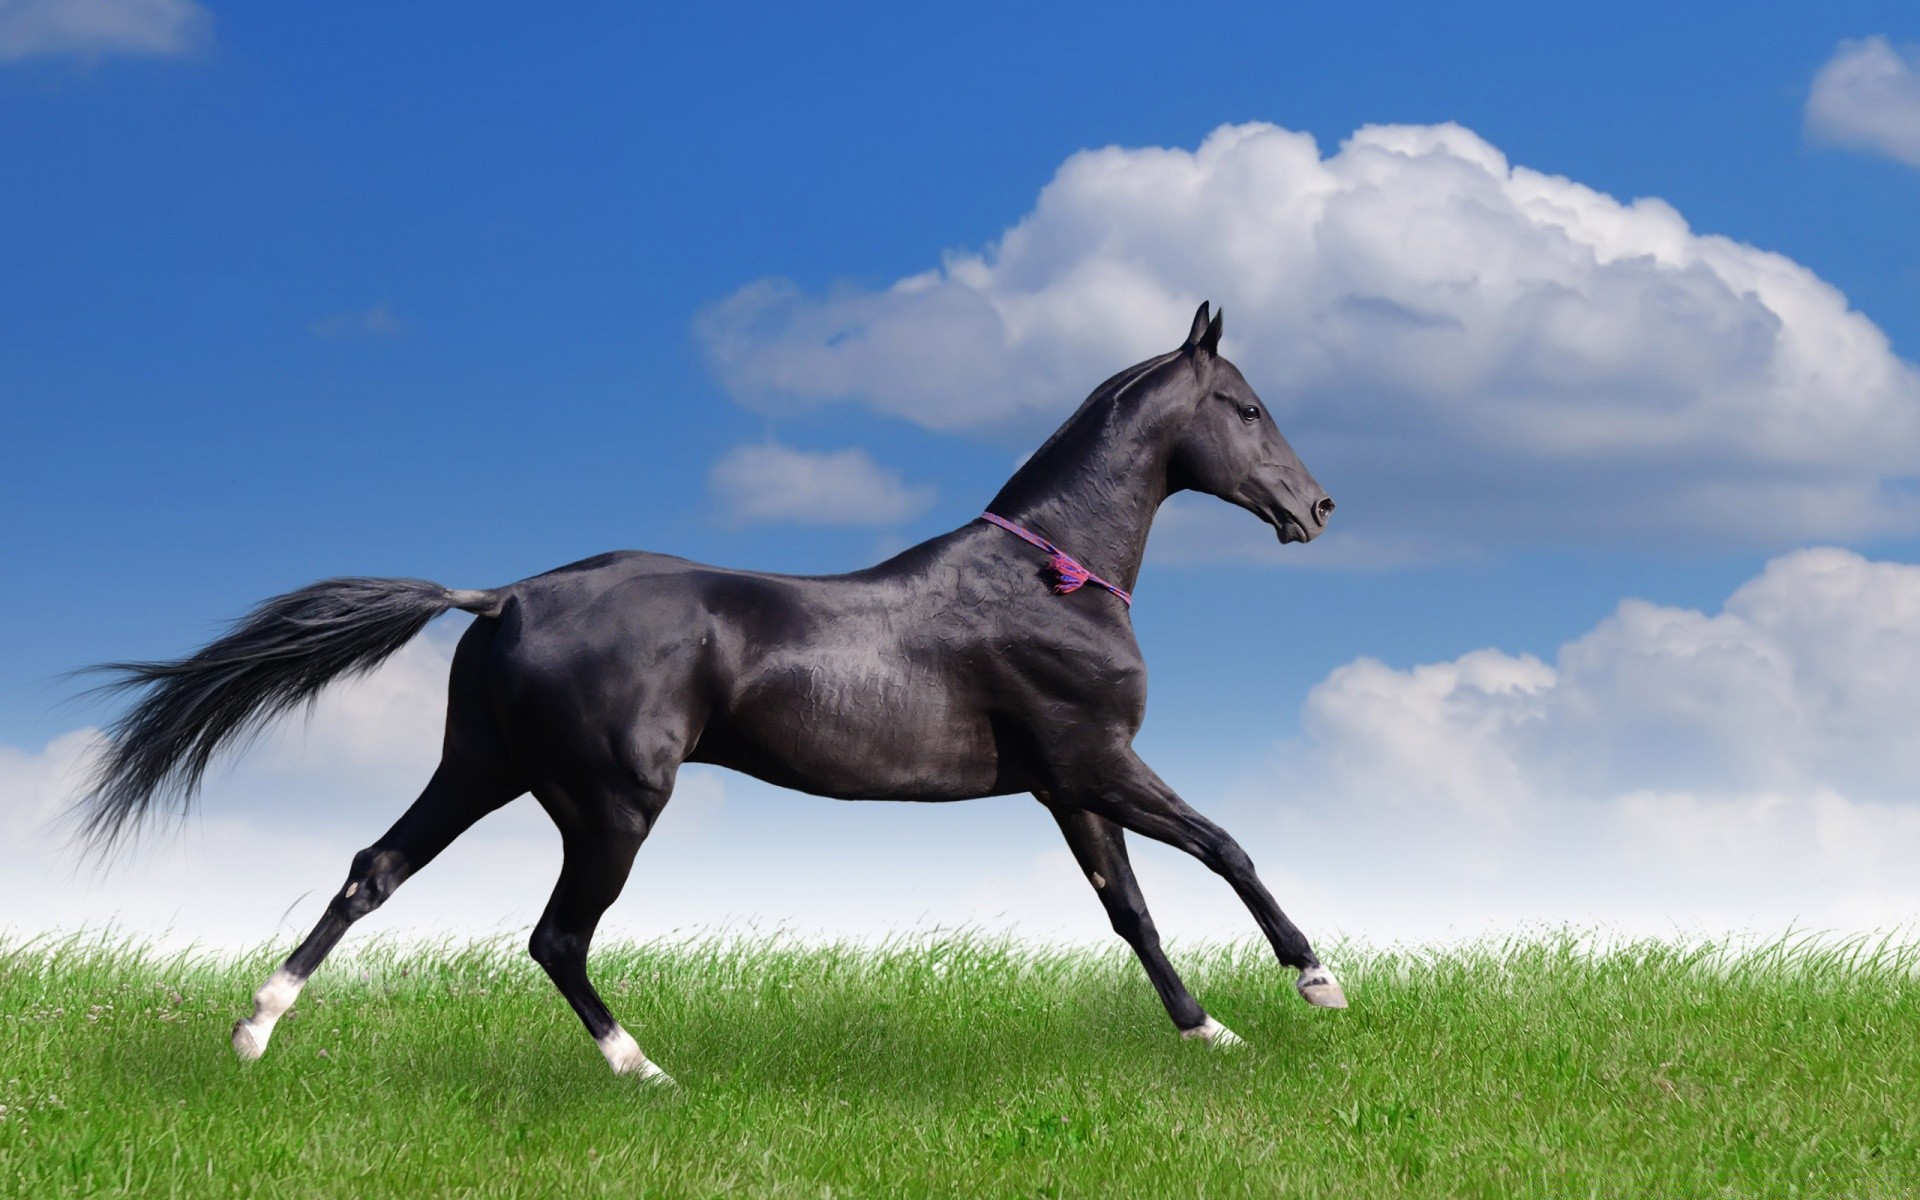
x: 964, y: 667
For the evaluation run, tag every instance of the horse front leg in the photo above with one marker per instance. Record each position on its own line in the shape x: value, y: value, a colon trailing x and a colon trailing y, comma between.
x: 1100, y: 847
x: 1129, y: 794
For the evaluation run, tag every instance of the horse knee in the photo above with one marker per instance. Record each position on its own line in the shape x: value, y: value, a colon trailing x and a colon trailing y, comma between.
x: 1132, y: 922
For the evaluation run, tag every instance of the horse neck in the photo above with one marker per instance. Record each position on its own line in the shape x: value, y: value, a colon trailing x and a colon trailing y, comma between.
x: 1093, y: 491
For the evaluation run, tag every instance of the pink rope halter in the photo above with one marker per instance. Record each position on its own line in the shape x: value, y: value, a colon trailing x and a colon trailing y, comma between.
x: 1069, y: 575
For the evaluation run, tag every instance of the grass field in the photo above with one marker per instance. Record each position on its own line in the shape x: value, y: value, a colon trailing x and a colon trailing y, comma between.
x: 971, y: 1068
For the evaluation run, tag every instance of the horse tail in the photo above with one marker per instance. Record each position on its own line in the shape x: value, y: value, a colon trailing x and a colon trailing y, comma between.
x: 274, y: 659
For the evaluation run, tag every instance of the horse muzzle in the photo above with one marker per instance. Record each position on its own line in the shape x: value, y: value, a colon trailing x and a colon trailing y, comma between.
x: 1292, y: 528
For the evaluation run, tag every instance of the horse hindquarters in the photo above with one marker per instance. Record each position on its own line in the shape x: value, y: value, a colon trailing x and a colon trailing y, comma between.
x: 599, y: 726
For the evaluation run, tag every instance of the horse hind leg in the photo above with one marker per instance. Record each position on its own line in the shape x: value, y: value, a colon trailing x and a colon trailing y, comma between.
x: 457, y: 796
x: 601, y: 830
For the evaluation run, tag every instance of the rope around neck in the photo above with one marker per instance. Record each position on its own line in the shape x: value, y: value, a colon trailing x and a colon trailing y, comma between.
x: 1069, y: 575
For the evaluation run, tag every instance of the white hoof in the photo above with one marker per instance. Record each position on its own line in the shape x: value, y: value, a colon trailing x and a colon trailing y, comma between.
x: 1319, y: 988
x: 245, y: 1044
x: 1214, y: 1034
x: 623, y: 1055
x: 270, y: 1003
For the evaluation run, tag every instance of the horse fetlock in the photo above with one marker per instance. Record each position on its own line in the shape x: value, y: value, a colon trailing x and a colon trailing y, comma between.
x: 1318, y: 987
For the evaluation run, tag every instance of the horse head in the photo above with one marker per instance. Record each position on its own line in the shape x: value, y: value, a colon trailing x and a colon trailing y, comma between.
x: 1228, y: 445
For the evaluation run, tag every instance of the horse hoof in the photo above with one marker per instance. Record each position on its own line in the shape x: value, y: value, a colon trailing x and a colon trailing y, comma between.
x: 1214, y: 1034
x: 653, y: 1076
x: 648, y: 1072
x: 245, y: 1044
x: 624, y: 1056
x: 1319, y: 988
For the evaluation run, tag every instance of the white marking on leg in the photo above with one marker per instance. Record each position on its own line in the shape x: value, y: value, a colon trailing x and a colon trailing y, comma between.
x: 1319, y: 988
x: 1214, y: 1034
x: 1098, y: 881
x: 271, y: 1002
x: 623, y: 1055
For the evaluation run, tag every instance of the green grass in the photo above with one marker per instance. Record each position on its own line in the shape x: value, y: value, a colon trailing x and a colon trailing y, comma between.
x: 972, y: 1068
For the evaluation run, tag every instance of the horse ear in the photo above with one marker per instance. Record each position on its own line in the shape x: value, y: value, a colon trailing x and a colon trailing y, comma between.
x: 1199, y: 329
x: 1210, y: 340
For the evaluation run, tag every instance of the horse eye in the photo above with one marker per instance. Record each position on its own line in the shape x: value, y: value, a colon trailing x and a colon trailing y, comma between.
x: 1250, y: 412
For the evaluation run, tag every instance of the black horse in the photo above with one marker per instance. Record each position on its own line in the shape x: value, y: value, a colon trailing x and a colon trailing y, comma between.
x: 970, y: 665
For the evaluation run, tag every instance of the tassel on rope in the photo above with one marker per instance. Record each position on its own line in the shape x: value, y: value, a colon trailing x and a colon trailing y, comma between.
x: 1069, y: 575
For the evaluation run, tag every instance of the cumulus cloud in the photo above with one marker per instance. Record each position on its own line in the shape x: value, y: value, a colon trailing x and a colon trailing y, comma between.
x: 1467, y: 352
x: 35, y: 784
x: 1867, y: 97
x: 1808, y: 678
x: 771, y: 482
x: 1753, y: 765
x: 386, y: 728
x: 35, y: 28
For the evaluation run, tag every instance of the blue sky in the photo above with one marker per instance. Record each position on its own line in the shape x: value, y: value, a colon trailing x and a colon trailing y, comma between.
x: 459, y: 294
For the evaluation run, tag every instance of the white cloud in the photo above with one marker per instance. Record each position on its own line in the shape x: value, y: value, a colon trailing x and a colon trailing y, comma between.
x: 1867, y: 97
x: 771, y: 482
x: 1750, y: 766
x: 388, y: 727
x: 1465, y: 351
x: 1807, y: 679
x: 33, y: 28
x: 35, y: 785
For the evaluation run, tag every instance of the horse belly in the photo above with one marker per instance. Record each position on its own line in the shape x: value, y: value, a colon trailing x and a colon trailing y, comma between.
x: 862, y: 727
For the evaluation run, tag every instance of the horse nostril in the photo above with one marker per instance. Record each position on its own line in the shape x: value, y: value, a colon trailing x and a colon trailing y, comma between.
x: 1324, y: 509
